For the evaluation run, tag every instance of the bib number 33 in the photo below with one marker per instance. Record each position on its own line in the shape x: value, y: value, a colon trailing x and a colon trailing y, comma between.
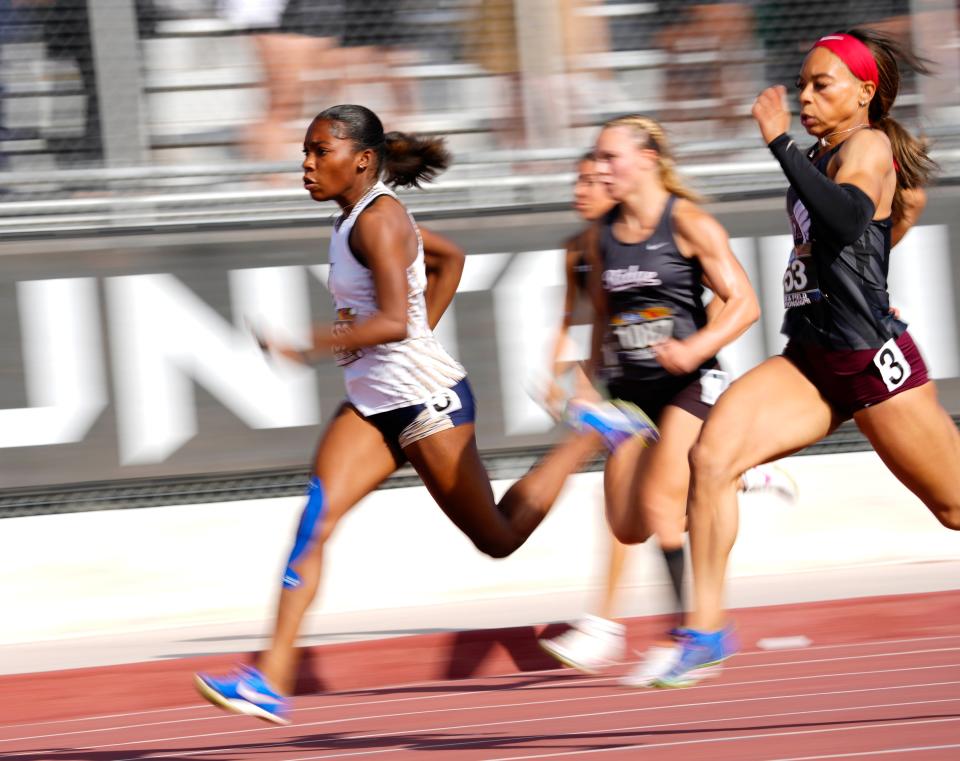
x: 893, y: 366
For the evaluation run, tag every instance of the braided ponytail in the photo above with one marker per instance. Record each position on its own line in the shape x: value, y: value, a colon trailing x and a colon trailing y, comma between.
x: 650, y: 134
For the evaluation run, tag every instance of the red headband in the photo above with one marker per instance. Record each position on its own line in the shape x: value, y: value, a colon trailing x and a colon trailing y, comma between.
x: 854, y: 54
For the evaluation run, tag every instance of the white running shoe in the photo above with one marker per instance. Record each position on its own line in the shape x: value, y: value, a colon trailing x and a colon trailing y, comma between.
x: 658, y: 661
x: 770, y: 478
x: 589, y: 646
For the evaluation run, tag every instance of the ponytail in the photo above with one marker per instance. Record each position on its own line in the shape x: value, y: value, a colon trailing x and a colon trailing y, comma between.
x: 914, y: 166
x: 404, y: 160
x: 649, y: 134
x: 409, y: 160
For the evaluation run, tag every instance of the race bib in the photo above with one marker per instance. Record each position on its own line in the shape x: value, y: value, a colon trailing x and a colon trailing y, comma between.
x: 893, y: 366
x: 443, y: 403
x: 637, y: 331
x: 345, y: 318
x: 801, y: 286
x: 712, y: 384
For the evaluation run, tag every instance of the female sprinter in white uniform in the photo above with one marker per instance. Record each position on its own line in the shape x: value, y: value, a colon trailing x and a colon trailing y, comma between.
x: 408, y: 399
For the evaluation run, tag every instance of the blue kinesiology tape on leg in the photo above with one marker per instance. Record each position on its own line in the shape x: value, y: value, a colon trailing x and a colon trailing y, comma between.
x: 309, y: 523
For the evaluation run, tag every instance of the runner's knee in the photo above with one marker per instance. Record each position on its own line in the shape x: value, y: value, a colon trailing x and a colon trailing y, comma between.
x: 629, y: 531
x: 496, y: 547
x: 948, y: 513
x: 710, y: 463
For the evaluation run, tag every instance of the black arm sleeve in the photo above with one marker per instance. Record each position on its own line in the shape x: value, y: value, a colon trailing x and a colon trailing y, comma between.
x: 843, y: 209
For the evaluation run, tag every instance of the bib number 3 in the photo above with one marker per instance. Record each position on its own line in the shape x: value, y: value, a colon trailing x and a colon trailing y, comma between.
x: 893, y: 366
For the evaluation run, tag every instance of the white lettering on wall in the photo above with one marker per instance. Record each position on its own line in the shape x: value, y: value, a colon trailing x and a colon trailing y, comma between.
x: 748, y: 350
x: 921, y: 287
x: 63, y: 363
x: 164, y: 338
x: 529, y: 301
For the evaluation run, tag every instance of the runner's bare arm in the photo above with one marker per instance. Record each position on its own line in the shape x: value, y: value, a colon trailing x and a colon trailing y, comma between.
x: 443, y: 260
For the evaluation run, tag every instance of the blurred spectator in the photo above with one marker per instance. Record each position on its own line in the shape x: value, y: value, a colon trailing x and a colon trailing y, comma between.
x: 314, y: 53
x: 586, y: 34
x: 372, y: 46
x: 787, y: 29
x: 66, y: 32
x: 491, y: 42
x: 708, y: 73
x: 8, y: 27
x: 291, y: 38
x: 67, y: 35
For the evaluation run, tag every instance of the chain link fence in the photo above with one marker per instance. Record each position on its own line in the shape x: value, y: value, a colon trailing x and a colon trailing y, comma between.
x: 119, y: 112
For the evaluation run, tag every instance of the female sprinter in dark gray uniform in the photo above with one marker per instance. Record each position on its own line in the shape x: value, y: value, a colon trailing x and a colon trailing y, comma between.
x: 597, y: 641
x: 847, y: 354
x: 653, y: 342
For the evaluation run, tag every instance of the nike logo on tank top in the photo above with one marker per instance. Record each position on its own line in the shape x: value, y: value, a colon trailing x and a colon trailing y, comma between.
x: 836, y: 296
x: 653, y: 292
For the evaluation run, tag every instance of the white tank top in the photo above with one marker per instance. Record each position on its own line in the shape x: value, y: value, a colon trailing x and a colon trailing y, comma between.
x: 391, y: 375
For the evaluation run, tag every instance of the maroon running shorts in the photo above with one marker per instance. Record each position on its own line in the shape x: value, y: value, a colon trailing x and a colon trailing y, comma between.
x: 853, y: 379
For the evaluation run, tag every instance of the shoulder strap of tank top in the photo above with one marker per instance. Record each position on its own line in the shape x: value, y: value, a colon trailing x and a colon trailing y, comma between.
x: 605, y: 231
x: 376, y: 190
x: 821, y: 162
x: 380, y: 189
x: 665, y: 224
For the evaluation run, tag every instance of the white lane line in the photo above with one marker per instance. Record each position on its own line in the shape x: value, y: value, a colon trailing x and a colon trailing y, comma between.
x: 884, y: 752
x: 101, y: 717
x: 646, y: 727
x: 736, y: 738
x: 219, y: 715
x: 593, y: 732
x: 623, y: 693
x: 552, y: 717
x: 578, y: 683
x: 805, y: 661
x: 566, y: 676
x: 465, y: 683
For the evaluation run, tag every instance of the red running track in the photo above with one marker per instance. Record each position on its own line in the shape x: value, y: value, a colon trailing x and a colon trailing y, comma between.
x: 881, y: 680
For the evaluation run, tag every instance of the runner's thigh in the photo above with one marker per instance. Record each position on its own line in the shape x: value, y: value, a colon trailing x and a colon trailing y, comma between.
x: 352, y: 459
x: 918, y: 441
x: 770, y: 412
x: 449, y: 464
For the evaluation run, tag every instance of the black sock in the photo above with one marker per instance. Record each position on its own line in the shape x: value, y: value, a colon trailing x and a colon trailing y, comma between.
x: 675, y: 565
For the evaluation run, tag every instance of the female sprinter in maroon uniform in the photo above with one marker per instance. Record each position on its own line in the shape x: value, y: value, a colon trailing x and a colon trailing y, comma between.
x: 847, y: 354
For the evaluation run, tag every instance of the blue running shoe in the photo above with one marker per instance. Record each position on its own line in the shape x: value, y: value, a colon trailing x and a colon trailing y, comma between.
x: 700, y: 656
x: 641, y: 423
x: 615, y: 421
x: 245, y: 691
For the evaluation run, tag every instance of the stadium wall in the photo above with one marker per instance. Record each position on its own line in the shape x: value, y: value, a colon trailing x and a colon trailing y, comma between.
x: 127, y: 356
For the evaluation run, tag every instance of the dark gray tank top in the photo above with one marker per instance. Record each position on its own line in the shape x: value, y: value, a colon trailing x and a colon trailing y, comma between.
x: 653, y: 293
x: 836, y: 296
